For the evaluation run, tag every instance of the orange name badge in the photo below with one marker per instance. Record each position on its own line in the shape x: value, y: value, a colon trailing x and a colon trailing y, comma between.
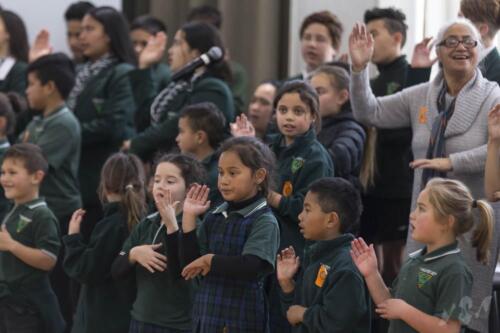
x: 287, y: 189
x: 422, y: 115
x: 322, y: 274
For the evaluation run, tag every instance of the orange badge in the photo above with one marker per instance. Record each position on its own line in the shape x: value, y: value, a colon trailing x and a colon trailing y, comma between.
x: 287, y: 189
x: 322, y: 274
x: 422, y: 115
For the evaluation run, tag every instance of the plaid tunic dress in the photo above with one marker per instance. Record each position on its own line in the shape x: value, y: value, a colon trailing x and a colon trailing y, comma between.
x: 224, y: 304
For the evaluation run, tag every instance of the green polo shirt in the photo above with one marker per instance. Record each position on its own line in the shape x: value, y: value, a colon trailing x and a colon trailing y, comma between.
x: 163, y: 298
x: 58, y: 135
x: 437, y: 283
x: 263, y: 240
x: 32, y: 224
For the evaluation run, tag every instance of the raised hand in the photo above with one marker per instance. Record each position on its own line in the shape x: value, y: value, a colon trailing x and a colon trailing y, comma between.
x: 422, y: 54
x: 167, y: 209
x: 364, y: 257
x: 242, y: 127
x: 41, y: 46
x: 360, y: 47
x: 287, y: 264
x: 147, y: 257
x: 76, y: 221
x: 494, y: 125
x: 154, y: 50
x: 196, y: 202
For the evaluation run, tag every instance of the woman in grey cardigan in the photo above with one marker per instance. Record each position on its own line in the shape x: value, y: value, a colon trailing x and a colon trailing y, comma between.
x: 449, y: 120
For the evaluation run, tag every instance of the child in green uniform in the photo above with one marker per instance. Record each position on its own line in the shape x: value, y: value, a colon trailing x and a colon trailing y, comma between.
x: 104, y: 304
x: 236, y: 245
x: 29, y: 244
x: 56, y: 131
x: 432, y: 291
x: 330, y: 294
x: 7, y: 125
x: 201, y: 130
x: 164, y: 300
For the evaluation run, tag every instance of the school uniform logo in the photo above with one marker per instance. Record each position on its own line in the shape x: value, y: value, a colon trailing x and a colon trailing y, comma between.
x: 422, y: 115
x: 392, y: 87
x: 322, y: 275
x: 287, y: 189
x: 22, y: 223
x: 297, y: 164
x: 424, y: 276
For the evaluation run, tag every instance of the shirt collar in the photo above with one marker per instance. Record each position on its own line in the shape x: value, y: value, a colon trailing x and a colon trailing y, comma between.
x: 59, y: 111
x: 329, y: 246
x: 247, y: 211
x: 436, y: 254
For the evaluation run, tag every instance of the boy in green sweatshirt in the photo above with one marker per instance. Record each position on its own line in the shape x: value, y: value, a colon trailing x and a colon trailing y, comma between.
x: 330, y: 294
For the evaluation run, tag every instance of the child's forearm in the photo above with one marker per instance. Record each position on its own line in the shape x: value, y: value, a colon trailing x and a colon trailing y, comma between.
x: 33, y: 257
x: 188, y: 222
x: 425, y: 323
x: 287, y: 285
x: 378, y: 290
x: 492, y: 170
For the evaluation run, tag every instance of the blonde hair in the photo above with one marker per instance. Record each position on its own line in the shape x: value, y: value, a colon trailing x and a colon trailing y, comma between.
x: 451, y: 197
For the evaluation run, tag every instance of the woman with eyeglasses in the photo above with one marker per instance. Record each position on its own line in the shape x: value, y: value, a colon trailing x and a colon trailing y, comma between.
x: 449, y: 121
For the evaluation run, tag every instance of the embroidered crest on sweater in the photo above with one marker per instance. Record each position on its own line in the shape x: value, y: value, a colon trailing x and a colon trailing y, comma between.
x: 297, y: 164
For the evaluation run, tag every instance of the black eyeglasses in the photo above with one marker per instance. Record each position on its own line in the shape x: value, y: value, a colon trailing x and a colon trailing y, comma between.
x: 452, y: 42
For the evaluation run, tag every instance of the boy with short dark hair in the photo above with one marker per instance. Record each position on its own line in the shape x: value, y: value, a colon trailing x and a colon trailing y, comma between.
x: 330, y: 293
x: 56, y: 130
x: 73, y: 16
x: 29, y: 245
x: 201, y: 130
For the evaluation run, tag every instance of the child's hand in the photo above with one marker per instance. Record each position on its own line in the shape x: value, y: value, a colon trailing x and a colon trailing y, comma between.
x: 295, y: 314
x: 364, y: 257
x: 75, y: 222
x: 6, y: 241
x: 202, y: 266
x: 148, y: 258
x: 154, y: 50
x: 242, y: 127
x: 41, y: 46
x: 166, y: 207
x: 494, y: 124
x: 196, y: 202
x: 287, y: 265
x: 393, y: 308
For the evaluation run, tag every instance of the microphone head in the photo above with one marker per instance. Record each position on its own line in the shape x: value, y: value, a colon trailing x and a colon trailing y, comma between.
x: 215, y: 54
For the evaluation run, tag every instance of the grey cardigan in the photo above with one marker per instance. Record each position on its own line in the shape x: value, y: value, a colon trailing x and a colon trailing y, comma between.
x: 466, y: 137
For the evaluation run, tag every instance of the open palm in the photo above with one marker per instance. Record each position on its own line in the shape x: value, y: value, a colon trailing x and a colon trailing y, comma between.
x: 196, y: 202
x: 360, y: 47
x: 363, y: 257
x: 422, y: 54
x: 154, y: 50
x: 494, y: 124
x: 41, y: 46
x: 287, y: 264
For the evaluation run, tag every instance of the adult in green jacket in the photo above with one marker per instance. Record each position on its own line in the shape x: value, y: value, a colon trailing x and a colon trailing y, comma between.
x: 13, y: 53
x: 149, y: 79
x: 102, y: 98
x: 205, y: 84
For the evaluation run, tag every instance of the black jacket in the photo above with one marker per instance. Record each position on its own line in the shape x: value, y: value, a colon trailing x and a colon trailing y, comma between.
x: 344, y: 139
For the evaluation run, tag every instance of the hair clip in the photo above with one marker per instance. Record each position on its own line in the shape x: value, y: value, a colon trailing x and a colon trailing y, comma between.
x: 129, y: 187
x: 474, y: 203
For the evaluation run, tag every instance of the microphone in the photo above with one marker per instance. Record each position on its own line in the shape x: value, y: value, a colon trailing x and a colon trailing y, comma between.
x: 213, y: 55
